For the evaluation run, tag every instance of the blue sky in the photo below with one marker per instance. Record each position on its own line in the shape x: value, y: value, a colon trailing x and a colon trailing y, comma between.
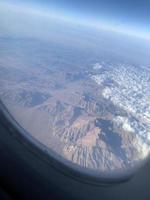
x: 131, y: 16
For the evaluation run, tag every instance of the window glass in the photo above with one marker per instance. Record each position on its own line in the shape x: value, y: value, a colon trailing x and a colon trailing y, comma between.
x: 80, y: 89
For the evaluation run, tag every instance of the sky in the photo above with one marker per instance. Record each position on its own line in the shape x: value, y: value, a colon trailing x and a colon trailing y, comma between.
x: 128, y: 16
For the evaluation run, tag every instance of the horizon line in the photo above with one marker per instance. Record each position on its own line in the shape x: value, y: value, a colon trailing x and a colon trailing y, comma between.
x: 61, y: 15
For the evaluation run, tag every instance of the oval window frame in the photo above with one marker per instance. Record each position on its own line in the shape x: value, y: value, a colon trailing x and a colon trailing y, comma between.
x: 54, y: 160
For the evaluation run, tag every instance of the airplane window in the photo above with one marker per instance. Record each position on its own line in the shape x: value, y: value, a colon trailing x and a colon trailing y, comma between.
x: 78, y: 84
